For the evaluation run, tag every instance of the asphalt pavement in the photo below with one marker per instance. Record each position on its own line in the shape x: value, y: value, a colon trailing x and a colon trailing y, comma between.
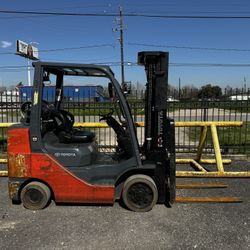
x: 184, y: 226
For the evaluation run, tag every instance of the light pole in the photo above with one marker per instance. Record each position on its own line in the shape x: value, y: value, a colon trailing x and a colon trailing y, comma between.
x: 120, y: 28
x: 179, y: 88
x: 29, y: 71
x: 245, y: 85
x: 122, y: 50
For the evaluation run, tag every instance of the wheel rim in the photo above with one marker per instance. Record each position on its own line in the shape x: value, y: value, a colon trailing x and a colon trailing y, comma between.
x: 140, y: 195
x: 34, y: 196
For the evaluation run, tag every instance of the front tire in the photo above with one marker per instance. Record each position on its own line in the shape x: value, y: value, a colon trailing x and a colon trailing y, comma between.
x: 139, y: 193
x: 35, y: 195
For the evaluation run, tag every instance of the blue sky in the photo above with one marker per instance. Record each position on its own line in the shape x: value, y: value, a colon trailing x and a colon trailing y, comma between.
x: 65, y: 32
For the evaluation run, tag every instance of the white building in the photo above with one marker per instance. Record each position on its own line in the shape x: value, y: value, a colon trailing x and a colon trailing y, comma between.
x: 239, y: 97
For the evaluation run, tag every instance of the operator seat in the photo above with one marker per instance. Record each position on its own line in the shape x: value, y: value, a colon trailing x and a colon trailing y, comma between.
x: 68, y: 134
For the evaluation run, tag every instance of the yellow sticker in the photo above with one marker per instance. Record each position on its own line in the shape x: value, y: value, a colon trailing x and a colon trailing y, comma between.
x: 35, y: 98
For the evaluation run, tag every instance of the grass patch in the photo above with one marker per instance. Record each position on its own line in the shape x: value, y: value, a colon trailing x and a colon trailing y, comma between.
x: 228, y: 136
x: 94, y: 109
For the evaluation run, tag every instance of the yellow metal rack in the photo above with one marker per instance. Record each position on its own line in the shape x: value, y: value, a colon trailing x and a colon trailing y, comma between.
x: 199, y: 170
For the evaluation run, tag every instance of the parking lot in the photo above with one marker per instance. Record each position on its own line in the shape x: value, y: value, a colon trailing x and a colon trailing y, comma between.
x: 184, y: 226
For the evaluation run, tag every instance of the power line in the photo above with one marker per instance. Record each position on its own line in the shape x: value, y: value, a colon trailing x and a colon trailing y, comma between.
x: 81, y: 47
x: 64, y: 49
x: 20, y: 68
x: 13, y: 67
x: 202, y: 64
x: 198, y: 64
x: 125, y: 14
x: 210, y: 64
x: 136, y: 44
x: 185, y: 16
x: 93, y: 60
x: 187, y: 47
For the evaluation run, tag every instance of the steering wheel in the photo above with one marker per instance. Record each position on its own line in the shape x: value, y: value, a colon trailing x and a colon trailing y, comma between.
x: 50, y: 113
x: 104, y: 117
x: 25, y: 109
x: 47, y: 110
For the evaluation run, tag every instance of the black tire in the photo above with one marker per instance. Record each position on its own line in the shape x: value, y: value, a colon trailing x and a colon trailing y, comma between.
x: 139, y: 193
x: 35, y: 195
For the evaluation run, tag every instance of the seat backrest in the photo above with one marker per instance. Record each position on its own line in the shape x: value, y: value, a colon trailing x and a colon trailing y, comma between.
x: 69, y: 120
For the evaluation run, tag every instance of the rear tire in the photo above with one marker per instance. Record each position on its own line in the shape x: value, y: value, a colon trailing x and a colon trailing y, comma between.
x: 35, y: 195
x: 140, y: 193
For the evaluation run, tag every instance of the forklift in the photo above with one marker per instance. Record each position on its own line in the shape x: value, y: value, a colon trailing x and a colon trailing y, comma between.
x: 49, y: 159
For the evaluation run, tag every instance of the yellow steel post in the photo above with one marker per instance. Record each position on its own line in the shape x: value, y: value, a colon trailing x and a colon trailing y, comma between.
x: 3, y: 173
x: 213, y: 161
x: 182, y: 199
x: 202, y: 172
x: 217, y: 148
x: 208, y: 123
x: 216, y: 174
x: 6, y: 124
x: 183, y: 161
x: 202, y: 141
x: 197, y: 166
x: 205, y: 161
x: 200, y: 185
x: 141, y: 124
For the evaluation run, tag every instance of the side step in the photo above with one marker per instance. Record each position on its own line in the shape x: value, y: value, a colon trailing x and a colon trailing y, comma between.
x: 180, y: 199
x: 200, y: 185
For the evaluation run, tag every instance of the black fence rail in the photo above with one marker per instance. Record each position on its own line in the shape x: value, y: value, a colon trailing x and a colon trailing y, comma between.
x: 231, y: 106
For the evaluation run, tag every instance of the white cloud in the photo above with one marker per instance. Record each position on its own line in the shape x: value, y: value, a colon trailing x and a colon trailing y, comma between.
x: 5, y: 44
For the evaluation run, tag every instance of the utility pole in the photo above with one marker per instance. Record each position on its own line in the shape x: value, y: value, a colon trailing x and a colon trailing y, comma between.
x: 120, y: 29
x: 121, y: 43
x: 245, y: 85
x: 179, y: 88
x: 29, y: 74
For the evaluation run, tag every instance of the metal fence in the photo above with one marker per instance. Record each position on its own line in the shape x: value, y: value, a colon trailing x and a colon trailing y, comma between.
x: 232, y: 106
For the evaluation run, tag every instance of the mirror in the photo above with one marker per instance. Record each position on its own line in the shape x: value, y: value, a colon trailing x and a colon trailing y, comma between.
x: 126, y: 88
x: 46, y: 78
x: 110, y: 89
x: 129, y: 89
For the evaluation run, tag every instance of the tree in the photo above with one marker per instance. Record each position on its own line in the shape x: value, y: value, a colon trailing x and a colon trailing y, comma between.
x: 11, y: 87
x: 172, y: 91
x: 189, y: 92
x: 228, y: 90
x: 217, y: 92
x: 2, y: 89
x: 210, y: 92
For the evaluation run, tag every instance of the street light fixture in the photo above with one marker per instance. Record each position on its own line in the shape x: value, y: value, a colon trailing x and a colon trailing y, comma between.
x: 28, y: 51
